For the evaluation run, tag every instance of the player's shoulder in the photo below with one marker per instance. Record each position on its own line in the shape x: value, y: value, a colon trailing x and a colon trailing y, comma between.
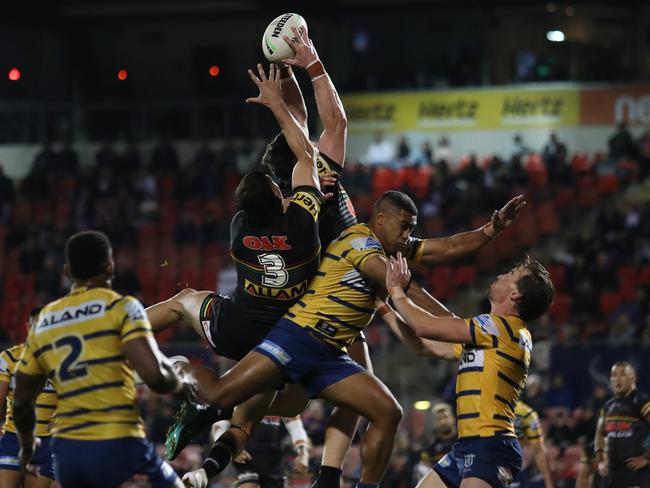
x: 489, y: 324
x: 11, y: 355
x: 522, y: 409
x: 641, y: 397
x: 360, y: 238
x: 127, y: 305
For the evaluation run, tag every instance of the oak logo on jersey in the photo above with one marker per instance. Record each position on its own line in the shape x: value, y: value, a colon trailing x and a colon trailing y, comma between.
x: 288, y: 293
x: 308, y: 202
x: 264, y: 243
x: 71, y: 315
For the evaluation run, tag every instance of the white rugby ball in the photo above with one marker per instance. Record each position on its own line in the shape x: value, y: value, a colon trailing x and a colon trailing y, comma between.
x: 274, y: 46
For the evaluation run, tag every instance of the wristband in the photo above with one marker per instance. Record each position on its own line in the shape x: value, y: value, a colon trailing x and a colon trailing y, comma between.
x: 490, y: 235
x: 384, y: 310
x: 315, y: 69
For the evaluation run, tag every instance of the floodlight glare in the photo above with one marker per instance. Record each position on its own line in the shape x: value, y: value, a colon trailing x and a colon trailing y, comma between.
x: 555, y: 36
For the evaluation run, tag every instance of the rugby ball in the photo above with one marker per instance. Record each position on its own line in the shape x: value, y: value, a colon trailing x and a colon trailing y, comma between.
x: 274, y: 46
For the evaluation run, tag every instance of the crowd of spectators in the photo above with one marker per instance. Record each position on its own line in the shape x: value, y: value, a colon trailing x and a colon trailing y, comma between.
x: 168, y: 220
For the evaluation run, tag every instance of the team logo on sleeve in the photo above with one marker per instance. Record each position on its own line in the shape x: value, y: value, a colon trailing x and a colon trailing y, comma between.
x: 487, y: 325
x: 134, y: 310
x: 365, y: 244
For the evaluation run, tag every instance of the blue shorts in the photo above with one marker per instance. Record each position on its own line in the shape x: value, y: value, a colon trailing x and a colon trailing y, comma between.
x: 42, y: 458
x: 307, y: 360
x: 495, y: 460
x: 109, y: 463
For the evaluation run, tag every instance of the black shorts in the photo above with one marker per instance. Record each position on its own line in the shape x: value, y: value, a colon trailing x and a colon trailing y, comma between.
x: 247, y: 474
x: 230, y: 333
x: 626, y: 478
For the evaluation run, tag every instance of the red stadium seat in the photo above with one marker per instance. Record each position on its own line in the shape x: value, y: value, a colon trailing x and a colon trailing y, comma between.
x: 565, y: 197
x: 464, y: 275
x: 608, y: 184
x: 384, y: 179
x: 609, y: 302
x: 558, y: 276
x: 644, y: 275
x: 547, y: 219
x: 561, y: 308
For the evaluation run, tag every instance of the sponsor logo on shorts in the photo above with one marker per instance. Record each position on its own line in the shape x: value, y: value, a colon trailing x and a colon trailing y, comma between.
x: 445, y: 461
x: 205, y: 324
x: 276, y: 351
x: 504, y: 475
x: 9, y: 461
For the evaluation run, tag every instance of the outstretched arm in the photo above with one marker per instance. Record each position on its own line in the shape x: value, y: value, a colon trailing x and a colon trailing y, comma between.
x: 422, y: 347
x: 292, y: 96
x: 445, y: 249
x: 330, y: 108
x: 304, y: 172
x: 424, y: 324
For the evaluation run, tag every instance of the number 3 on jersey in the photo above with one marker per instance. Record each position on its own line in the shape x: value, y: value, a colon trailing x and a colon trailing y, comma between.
x: 67, y: 370
x: 275, y: 274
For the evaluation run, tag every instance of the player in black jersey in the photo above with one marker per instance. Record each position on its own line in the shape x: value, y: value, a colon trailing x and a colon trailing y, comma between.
x: 621, y: 435
x: 446, y: 434
x: 274, y: 244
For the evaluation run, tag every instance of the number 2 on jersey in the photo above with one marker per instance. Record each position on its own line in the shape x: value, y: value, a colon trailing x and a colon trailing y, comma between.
x: 67, y: 370
x: 275, y: 274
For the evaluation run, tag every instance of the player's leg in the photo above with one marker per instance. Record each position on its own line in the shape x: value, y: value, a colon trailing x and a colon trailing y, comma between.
x: 184, y: 306
x: 37, y: 482
x: 342, y: 426
x: 431, y: 480
x: 474, y: 483
x: 365, y: 394
x: 10, y: 478
x: 289, y: 402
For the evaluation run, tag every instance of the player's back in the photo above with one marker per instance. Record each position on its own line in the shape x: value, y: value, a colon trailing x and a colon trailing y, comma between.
x: 275, y: 261
x: 491, y: 375
x: 340, y: 301
x: 77, y: 341
x: 527, y: 425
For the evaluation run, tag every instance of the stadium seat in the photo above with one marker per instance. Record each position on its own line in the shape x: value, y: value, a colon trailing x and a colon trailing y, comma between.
x: 558, y: 276
x: 608, y: 184
x: 383, y: 179
x: 609, y: 302
x: 644, y: 275
x: 627, y: 280
x: 565, y: 197
x: 560, y: 311
x: 464, y: 275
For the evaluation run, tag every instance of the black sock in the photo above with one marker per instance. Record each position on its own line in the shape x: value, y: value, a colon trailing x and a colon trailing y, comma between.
x: 218, y: 458
x: 328, y: 477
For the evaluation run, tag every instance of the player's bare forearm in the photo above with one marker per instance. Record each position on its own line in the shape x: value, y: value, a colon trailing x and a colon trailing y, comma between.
x: 541, y: 461
x: 421, y: 347
x: 152, y: 366
x: 292, y: 96
x: 24, y: 414
x: 446, y: 249
x: 330, y: 109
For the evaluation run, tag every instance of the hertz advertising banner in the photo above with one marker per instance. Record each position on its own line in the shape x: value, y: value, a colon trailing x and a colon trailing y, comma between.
x: 458, y: 110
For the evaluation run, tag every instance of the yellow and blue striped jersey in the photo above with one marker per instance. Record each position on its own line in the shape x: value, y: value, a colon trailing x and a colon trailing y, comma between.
x: 340, y: 301
x: 45, y: 402
x: 77, y: 342
x: 527, y: 425
x: 491, y: 375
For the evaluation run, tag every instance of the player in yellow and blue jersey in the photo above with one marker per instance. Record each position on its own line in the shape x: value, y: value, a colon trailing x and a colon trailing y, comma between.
x: 494, y: 351
x: 529, y: 432
x: 11, y: 475
x: 89, y: 343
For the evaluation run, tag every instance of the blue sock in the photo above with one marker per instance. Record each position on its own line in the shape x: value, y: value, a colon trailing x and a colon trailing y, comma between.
x: 366, y: 485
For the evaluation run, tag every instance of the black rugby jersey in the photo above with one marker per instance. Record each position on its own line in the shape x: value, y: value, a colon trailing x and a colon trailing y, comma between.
x: 626, y: 427
x: 275, y: 262
x: 338, y: 212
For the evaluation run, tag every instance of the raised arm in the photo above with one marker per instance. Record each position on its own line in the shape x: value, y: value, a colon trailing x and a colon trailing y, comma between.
x: 154, y: 368
x: 600, y: 445
x: 292, y: 96
x: 304, y: 172
x: 422, y: 347
x: 424, y: 324
x: 445, y: 249
x: 330, y: 108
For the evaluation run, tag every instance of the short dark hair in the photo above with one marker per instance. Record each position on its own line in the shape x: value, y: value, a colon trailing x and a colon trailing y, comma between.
x: 34, y: 312
x: 256, y: 198
x: 536, y: 288
x: 87, y: 254
x: 624, y: 364
x: 278, y: 159
x: 397, y: 200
